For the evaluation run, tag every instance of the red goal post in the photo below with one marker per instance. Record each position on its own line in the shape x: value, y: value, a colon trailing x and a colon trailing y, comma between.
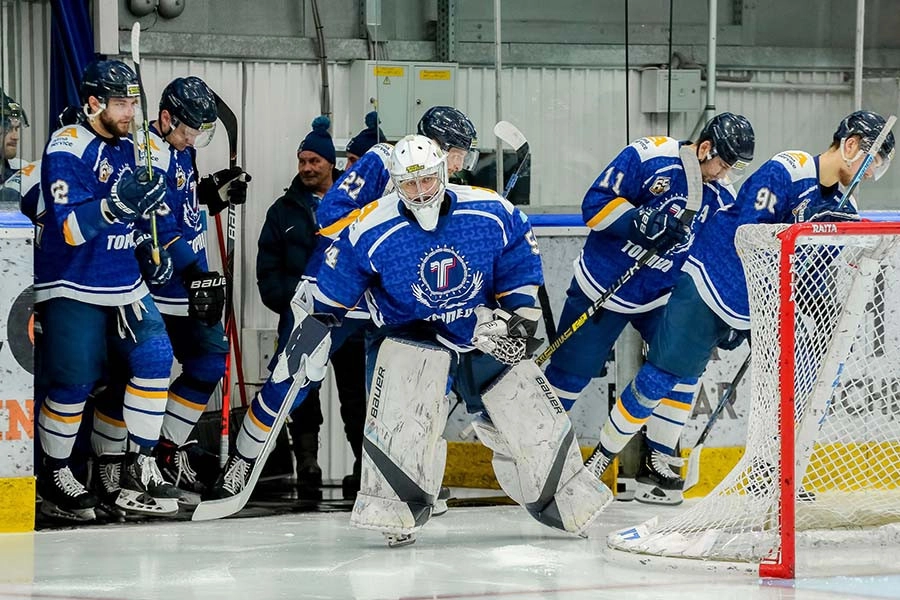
x: 825, y: 313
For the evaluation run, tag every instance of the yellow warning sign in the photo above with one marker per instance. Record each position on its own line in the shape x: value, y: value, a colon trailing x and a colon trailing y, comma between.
x: 435, y: 75
x: 383, y: 71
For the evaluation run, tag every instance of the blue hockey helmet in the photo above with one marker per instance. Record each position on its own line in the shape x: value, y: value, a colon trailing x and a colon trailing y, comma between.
x: 450, y: 128
x: 732, y: 139
x: 11, y: 113
x: 867, y: 125
x: 106, y: 79
x: 191, y: 102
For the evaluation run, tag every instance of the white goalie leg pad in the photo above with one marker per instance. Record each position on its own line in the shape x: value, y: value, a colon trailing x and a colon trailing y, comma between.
x: 504, y: 466
x: 403, y: 452
x: 554, y: 485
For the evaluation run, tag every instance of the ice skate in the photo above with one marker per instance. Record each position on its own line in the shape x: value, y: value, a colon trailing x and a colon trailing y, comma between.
x: 174, y: 464
x: 440, y: 504
x: 398, y: 540
x: 598, y: 462
x: 657, y: 481
x: 64, y: 497
x: 144, y: 490
x: 106, y: 472
x: 232, y: 480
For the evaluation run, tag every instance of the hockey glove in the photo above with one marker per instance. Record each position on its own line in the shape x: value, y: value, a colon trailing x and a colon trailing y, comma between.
x: 508, y: 337
x: 228, y: 186
x: 134, y: 195
x: 825, y: 210
x: 657, y: 228
x: 206, y: 294
x: 306, y: 351
x: 733, y: 339
x: 155, y: 274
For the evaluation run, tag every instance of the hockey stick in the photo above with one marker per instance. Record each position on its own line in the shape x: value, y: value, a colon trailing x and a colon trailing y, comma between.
x: 510, y: 134
x: 311, y: 332
x: 694, y: 201
x: 226, y: 253
x: 145, y: 126
x: 693, y: 469
x: 870, y: 158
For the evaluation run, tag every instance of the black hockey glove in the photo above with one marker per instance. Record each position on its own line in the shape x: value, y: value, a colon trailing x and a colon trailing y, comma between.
x: 825, y: 210
x: 734, y: 339
x: 228, y: 186
x: 134, y: 195
x: 658, y: 228
x: 155, y: 275
x: 206, y: 294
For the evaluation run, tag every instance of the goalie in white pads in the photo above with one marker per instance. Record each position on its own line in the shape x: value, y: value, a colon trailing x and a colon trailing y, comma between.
x: 450, y: 275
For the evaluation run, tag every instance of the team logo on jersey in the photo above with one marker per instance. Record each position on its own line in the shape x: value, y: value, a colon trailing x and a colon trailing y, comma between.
x: 660, y: 185
x: 180, y: 177
x: 105, y: 170
x: 445, y: 280
x: 192, y: 215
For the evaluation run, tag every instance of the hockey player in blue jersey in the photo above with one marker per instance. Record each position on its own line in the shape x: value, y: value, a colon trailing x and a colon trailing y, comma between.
x: 366, y: 181
x: 634, y: 206
x: 450, y: 274
x: 709, y: 306
x: 193, y: 300
x: 91, y: 299
x: 18, y: 179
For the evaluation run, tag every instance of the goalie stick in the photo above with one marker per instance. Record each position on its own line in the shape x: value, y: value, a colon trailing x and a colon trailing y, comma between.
x: 226, y: 253
x: 694, y: 201
x: 145, y: 126
x: 510, y: 135
x: 311, y: 332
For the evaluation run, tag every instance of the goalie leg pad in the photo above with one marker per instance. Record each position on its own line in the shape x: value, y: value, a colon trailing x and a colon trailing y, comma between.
x: 403, y: 453
x: 554, y: 486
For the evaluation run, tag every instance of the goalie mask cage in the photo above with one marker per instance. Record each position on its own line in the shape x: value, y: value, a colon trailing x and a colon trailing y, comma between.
x: 819, y: 480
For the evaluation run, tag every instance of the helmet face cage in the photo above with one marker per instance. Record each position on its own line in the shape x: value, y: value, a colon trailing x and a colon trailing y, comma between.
x: 419, y: 174
x: 867, y: 125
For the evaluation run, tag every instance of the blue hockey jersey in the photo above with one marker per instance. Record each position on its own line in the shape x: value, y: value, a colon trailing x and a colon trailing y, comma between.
x: 24, y: 186
x: 483, y: 252
x: 180, y: 224
x: 770, y: 195
x: 78, y: 254
x: 648, y: 172
x: 366, y: 181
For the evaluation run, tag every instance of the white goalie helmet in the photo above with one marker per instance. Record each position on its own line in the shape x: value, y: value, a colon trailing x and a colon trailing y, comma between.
x: 419, y: 173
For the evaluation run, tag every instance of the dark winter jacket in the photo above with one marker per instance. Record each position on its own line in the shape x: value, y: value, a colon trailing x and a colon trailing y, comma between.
x: 286, y: 243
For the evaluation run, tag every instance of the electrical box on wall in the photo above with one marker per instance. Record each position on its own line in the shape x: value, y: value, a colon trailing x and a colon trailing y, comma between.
x: 655, y: 90
x: 400, y: 91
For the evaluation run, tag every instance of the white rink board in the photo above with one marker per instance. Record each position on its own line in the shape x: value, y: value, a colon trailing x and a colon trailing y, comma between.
x: 16, y: 379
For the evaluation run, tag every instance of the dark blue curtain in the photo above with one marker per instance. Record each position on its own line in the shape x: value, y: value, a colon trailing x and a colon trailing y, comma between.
x: 71, y: 50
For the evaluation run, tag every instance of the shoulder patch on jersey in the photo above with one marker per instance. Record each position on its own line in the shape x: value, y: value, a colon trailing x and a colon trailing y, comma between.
x: 660, y: 185
x: 104, y: 170
x: 383, y: 151
x: 73, y: 139
x: 652, y: 147
x: 160, y: 150
x: 798, y: 164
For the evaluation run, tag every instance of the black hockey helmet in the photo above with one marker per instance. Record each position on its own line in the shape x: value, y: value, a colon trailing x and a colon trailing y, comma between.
x: 867, y: 125
x: 106, y: 79
x: 732, y: 139
x: 450, y: 128
x: 189, y: 100
x: 11, y: 112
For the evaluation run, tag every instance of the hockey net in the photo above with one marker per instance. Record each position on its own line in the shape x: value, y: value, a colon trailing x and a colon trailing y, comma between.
x: 821, y: 469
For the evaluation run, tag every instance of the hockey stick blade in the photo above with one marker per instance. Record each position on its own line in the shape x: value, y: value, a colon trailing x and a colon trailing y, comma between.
x: 694, y: 181
x: 693, y: 469
x: 314, y: 333
x: 510, y: 134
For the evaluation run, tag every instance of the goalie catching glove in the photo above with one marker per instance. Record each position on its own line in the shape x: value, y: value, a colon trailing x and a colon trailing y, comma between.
x: 206, y: 294
x: 228, y: 186
x: 507, y: 336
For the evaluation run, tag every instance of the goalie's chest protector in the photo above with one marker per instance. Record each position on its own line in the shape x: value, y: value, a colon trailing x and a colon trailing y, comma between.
x: 440, y: 276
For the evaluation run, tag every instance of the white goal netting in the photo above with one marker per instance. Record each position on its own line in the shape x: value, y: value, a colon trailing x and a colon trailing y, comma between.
x: 826, y: 346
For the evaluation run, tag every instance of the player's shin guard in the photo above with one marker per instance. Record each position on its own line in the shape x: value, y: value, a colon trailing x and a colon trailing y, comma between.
x: 554, y: 485
x: 634, y: 406
x: 146, y: 392
x: 403, y: 452
x: 667, y: 421
x: 261, y: 416
x: 60, y: 418
x: 187, y: 399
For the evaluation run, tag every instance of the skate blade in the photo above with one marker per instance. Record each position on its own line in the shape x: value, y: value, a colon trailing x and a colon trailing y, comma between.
x: 651, y: 494
x: 399, y: 540
x: 440, y: 508
x: 141, y: 503
x: 81, y: 515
